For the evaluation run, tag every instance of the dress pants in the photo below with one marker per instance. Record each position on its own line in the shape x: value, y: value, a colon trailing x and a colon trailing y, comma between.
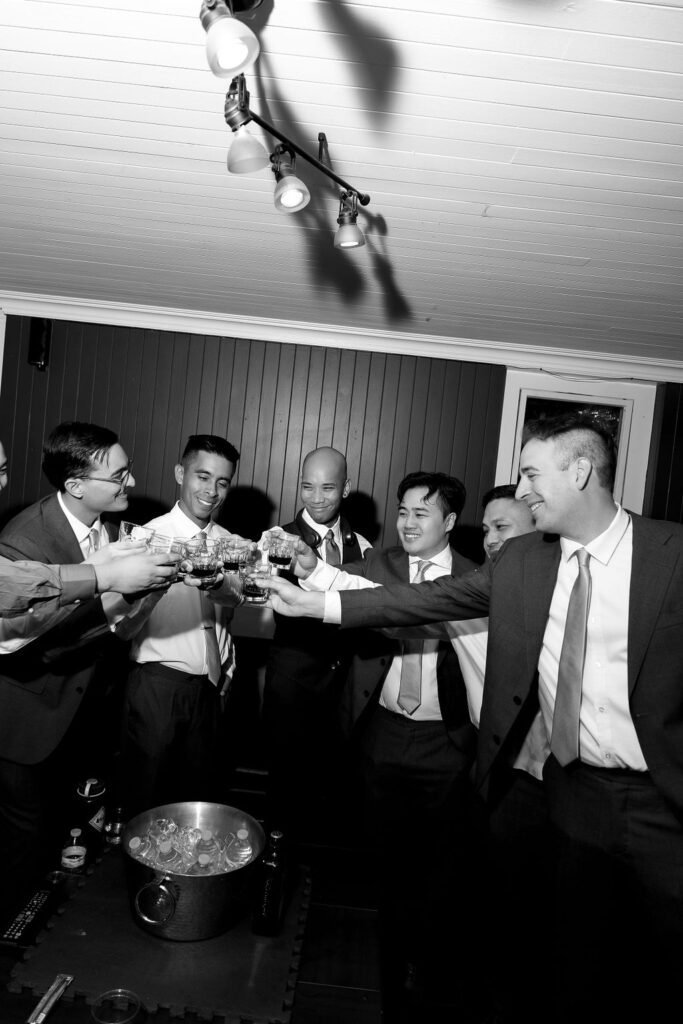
x: 422, y: 819
x: 618, y: 894
x: 171, y: 738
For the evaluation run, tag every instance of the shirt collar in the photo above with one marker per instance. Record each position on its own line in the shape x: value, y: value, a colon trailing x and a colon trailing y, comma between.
x: 322, y: 528
x: 442, y: 558
x: 605, y: 544
x: 185, y: 527
x: 80, y: 529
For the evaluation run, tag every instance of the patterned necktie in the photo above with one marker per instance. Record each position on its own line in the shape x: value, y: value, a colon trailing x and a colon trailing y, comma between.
x: 213, y: 655
x: 332, y: 556
x: 564, y: 741
x: 410, y: 689
x: 93, y: 540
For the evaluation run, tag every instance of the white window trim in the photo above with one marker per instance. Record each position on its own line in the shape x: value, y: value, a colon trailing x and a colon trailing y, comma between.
x: 636, y: 398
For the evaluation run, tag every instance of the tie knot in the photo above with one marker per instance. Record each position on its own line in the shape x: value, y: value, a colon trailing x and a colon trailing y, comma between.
x: 329, y: 536
x: 422, y: 566
x: 94, y: 539
x: 582, y: 557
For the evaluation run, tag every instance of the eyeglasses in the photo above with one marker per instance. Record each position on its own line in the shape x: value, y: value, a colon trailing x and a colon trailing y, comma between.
x: 120, y: 478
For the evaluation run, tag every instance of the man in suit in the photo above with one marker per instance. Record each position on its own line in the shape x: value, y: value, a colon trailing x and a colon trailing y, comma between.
x: 43, y: 685
x: 307, y: 664
x: 616, y: 796
x: 416, y: 748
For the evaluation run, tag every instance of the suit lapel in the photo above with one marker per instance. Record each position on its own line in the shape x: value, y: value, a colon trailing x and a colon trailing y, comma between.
x: 538, y: 583
x: 651, y: 572
x: 64, y: 548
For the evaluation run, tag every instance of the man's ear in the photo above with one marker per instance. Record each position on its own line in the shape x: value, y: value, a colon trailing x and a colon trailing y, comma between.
x: 450, y: 521
x: 179, y: 474
x: 584, y: 470
x: 347, y: 488
x: 74, y: 487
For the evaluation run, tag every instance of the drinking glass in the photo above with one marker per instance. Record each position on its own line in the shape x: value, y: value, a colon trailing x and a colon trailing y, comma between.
x: 280, y: 551
x: 203, y: 558
x: 231, y: 555
x: 250, y: 562
x: 132, y: 532
x: 117, y: 1006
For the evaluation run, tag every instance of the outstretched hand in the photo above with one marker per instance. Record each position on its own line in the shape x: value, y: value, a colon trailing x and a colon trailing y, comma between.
x: 288, y: 599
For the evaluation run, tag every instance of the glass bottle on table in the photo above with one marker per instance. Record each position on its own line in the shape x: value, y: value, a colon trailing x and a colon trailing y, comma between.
x: 270, y: 892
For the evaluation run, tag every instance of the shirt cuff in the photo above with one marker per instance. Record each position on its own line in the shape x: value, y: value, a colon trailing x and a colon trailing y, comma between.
x: 321, y: 578
x: 79, y: 583
x: 332, y: 608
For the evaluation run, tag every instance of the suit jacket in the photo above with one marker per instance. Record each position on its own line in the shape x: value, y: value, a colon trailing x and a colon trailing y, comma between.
x: 304, y: 650
x: 516, y: 591
x: 42, y: 685
x: 374, y: 652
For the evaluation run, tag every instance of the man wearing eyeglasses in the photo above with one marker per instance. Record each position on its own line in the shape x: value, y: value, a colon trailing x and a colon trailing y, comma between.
x: 42, y: 685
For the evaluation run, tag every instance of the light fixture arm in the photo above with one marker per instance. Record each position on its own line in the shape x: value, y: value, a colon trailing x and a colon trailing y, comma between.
x: 237, y: 102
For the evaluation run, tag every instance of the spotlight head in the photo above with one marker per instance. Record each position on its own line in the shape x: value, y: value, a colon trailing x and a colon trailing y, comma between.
x: 291, y: 193
x: 231, y: 46
x: 349, y: 235
x: 246, y: 153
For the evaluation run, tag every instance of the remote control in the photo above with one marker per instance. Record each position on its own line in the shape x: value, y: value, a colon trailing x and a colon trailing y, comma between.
x: 21, y: 931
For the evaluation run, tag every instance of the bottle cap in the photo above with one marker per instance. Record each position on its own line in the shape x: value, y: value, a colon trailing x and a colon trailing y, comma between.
x: 75, y: 832
x: 165, y: 845
x: 203, y: 859
x: 242, y: 833
x: 91, y: 788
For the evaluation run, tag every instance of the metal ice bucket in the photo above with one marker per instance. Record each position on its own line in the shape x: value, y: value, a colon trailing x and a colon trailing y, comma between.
x: 189, y: 907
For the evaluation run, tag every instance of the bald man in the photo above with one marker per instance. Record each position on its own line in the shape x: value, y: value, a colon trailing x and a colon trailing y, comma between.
x: 306, y: 666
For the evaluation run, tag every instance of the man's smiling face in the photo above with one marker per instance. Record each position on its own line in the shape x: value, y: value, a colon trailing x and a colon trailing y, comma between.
x: 204, y: 479
x: 548, y: 490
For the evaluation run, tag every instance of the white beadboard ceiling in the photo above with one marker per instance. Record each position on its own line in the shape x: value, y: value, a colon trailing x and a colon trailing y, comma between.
x: 524, y: 159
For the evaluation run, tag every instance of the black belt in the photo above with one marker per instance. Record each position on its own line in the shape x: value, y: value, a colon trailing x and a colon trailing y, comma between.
x: 609, y: 774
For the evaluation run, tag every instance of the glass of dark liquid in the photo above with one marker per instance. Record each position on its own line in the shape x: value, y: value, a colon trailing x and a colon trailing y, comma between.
x: 250, y: 563
x: 231, y: 555
x: 280, y: 551
x: 203, y: 559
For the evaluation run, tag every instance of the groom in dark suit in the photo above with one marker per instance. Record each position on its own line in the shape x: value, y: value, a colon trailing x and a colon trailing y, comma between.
x: 615, y: 777
x: 42, y: 686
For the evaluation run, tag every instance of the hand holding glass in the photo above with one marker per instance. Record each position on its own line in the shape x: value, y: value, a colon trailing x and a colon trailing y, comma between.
x: 251, y: 563
x: 280, y: 551
x: 203, y: 558
x: 131, y: 531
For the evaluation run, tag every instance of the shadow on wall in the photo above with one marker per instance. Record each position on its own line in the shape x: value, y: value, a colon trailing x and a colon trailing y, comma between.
x: 361, y: 511
x: 141, y: 509
x: 247, y: 511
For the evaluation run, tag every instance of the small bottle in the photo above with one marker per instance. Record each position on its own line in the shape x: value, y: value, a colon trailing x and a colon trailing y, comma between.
x: 74, y: 853
x: 142, y: 848
x: 168, y: 857
x: 270, y: 893
x: 113, y: 830
x: 203, y: 865
x: 238, y: 853
x: 208, y: 844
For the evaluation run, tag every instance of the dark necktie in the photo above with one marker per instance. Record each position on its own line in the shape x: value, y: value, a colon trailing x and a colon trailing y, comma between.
x: 564, y: 740
x: 410, y: 688
x: 213, y: 655
x: 332, y: 556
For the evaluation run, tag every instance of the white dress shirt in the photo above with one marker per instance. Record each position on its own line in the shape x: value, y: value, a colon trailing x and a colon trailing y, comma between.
x: 173, y: 634
x: 81, y: 530
x: 607, y: 737
x: 322, y: 530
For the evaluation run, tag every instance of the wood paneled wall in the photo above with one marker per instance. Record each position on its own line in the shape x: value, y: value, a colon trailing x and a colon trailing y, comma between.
x: 667, y: 496
x: 275, y: 402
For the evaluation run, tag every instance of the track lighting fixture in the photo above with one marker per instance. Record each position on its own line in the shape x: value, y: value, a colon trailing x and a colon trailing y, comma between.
x: 349, y: 235
x: 231, y: 46
x: 291, y: 194
x: 246, y: 153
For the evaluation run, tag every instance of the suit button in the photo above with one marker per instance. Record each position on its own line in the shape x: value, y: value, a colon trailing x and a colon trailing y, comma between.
x: 517, y: 700
x: 496, y: 740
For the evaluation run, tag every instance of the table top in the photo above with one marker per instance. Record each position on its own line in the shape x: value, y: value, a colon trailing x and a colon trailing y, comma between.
x: 232, y: 977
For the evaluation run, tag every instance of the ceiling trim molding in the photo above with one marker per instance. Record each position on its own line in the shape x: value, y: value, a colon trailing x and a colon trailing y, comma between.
x: 529, y: 357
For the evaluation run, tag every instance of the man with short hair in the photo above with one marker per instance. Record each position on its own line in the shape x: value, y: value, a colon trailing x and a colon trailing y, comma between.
x: 43, y: 684
x: 585, y: 623
x: 183, y: 654
x: 307, y: 664
x: 404, y: 705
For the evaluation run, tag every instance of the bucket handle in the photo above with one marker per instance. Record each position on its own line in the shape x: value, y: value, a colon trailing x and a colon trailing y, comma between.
x: 162, y: 900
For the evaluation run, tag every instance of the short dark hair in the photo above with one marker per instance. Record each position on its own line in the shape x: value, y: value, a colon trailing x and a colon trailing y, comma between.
x: 450, y: 492
x: 499, y: 493
x: 578, y: 436
x: 70, y: 449
x: 211, y: 443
